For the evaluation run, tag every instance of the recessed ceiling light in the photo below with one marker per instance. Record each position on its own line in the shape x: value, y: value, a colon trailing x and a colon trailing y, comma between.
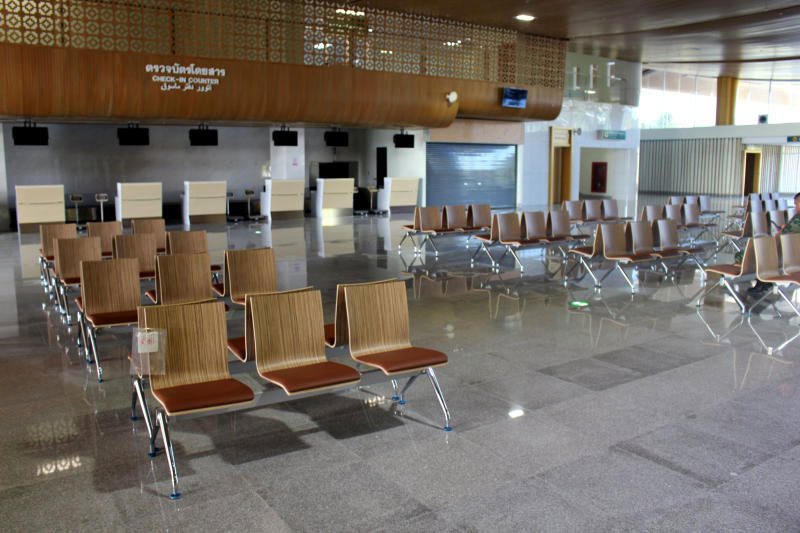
x: 524, y: 18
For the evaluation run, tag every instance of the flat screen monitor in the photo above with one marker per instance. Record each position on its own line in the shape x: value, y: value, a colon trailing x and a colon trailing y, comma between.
x: 515, y: 97
x: 334, y: 170
x: 30, y: 135
x: 404, y: 140
x: 203, y: 137
x: 337, y: 138
x: 284, y: 138
x: 133, y: 136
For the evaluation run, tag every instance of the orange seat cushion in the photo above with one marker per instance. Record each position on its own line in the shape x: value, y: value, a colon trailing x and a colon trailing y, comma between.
x: 151, y: 294
x: 147, y: 274
x: 216, y: 268
x: 239, y: 301
x: 330, y: 334
x: 116, y: 318
x: 310, y: 377
x: 404, y: 359
x: 161, y: 250
x: 218, y: 288
x: 238, y: 347
x: 205, y: 395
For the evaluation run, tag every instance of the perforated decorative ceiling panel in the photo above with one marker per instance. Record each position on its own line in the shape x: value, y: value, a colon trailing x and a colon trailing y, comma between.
x: 296, y: 32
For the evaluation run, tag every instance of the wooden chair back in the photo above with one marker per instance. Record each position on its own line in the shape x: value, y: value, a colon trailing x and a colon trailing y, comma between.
x: 110, y: 286
x: 187, y: 242
x: 195, y: 349
x: 748, y: 265
x: 250, y: 271
x: 508, y: 227
x: 691, y: 213
x: 756, y: 206
x: 340, y: 310
x: 249, y: 325
x: 70, y: 252
x: 592, y: 209
x: 287, y: 329
x: 156, y: 226
x: 417, y: 217
x: 430, y: 218
x: 48, y: 233
x: 454, y: 216
x: 610, y: 209
x: 760, y: 223
x: 705, y: 204
x: 766, y: 253
x: 770, y: 205
x: 140, y: 246
x: 558, y: 224
x: 479, y: 216
x: 777, y: 218
x: 641, y: 236
x: 674, y: 212
x: 654, y: 212
x: 534, y: 225
x: 665, y: 234
x: 377, y: 318
x: 183, y: 278
x: 693, y: 200
x: 574, y: 209
x: 790, y: 246
x: 614, y: 242
x: 106, y: 231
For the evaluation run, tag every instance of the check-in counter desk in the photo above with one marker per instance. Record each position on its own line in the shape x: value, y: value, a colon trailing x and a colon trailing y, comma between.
x: 138, y: 200
x: 334, y: 197
x: 204, y: 202
x: 39, y: 204
x: 283, y: 198
x: 398, y: 192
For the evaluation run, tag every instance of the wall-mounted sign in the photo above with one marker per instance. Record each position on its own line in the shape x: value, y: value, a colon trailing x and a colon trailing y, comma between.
x: 793, y: 139
x: 617, y: 135
x: 559, y: 137
x: 177, y: 77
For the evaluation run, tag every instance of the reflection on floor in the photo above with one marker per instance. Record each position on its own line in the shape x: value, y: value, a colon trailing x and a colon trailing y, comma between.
x: 574, y: 409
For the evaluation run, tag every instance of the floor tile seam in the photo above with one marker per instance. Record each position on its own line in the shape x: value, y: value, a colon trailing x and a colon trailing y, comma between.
x: 641, y: 452
x: 527, y: 406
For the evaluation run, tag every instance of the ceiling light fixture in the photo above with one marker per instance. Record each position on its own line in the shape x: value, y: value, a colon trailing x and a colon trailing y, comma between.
x: 523, y: 17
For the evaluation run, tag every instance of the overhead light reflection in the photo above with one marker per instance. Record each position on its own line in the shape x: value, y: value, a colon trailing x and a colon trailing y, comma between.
x: 515, y: 413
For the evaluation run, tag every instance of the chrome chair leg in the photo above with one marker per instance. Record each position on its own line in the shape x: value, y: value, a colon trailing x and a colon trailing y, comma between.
x: 162, y: 421
x: 84, y: 325
x: 627, y: 278
x: 138, y: 390
x: 440, y: 396
x: 735, y: 296
x: 93, y: 341
x: 517, y: 259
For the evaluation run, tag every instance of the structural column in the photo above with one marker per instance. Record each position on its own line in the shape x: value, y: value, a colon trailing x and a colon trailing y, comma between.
x: 726, y: 99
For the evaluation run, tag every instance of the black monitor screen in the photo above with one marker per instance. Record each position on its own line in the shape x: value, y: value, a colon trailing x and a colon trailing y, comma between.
x: 334, y: 170
x: 515, y: 97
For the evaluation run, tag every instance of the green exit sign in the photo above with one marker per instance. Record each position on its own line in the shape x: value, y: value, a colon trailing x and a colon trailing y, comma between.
x: 616, y: 135
x: 793, y: 139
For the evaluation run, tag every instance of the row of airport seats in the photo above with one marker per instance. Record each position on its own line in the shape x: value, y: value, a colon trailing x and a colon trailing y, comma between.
x: 653, y: 244
x: 285, y: 336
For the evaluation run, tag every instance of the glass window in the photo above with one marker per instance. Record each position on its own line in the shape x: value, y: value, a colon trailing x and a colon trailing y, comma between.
x: 671, y: 100
x: 752, y: 100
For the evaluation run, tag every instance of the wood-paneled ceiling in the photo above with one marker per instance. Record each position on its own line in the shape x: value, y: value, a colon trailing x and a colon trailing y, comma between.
x: 752, y: 39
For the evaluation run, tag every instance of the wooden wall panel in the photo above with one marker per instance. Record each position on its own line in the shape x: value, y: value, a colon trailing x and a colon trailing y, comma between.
x: 480, y: 132
x: 57, y: 83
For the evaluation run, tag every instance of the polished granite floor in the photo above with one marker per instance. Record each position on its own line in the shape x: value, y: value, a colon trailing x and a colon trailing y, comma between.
x: 627, y: 413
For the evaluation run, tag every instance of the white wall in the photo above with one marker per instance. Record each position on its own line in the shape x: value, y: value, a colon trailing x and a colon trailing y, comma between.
x: 87, y: 159
x: 589, y: 117
x: 288, y: 162
x: 400, y: 162
x: 622, y: 163
x: 317, y: 152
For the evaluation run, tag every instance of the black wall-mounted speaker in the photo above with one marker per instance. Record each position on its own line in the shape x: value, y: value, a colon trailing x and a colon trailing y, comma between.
x: 133, y: 136
x: 337, y: 138
x: 284, y: 138
x: 203, y: 137
x: 30, y: 136
x: 404, y: 140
